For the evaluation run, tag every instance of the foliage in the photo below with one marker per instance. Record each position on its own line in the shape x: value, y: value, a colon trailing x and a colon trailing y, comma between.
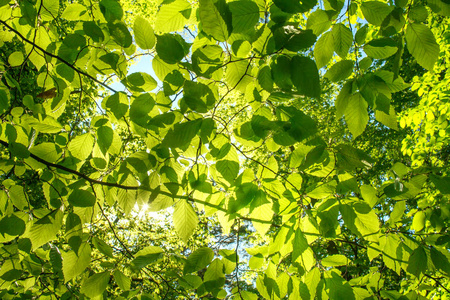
x: 272, y: 150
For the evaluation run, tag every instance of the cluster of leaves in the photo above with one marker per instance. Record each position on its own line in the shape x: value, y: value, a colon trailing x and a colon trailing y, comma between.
x: 268, y: 138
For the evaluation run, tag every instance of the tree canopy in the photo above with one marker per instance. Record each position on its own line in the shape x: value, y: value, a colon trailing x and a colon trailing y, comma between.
x: 271, y: 149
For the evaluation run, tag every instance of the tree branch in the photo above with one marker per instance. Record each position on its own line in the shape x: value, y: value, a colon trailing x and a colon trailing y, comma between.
x: 57, y: 57
x: 127, y: 187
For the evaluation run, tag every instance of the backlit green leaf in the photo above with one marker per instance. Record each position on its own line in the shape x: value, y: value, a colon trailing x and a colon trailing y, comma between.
x: 324, y: 49
x: 182, y: 133
x: 422, y: 44
x: 95, y: 285
x: 375, y: 11
x: 198, y: 260
x: 305, y: 76
x: 122, y: 281
x: 343, y: 39
x: 120, y: 34
x: 245, y: 14
x: 334, y: 260
x: 81, y: 198
x: 319, y: 22
x: 356, y: 114
x: 295, y: 6
x: 146, y: 256
x: 81, y: 146
x: 340, y: 70
x: 215, y: 19
x: 184, y: 220
x: 143, y: 33
x: 75, y: 263
x: 173, y: 16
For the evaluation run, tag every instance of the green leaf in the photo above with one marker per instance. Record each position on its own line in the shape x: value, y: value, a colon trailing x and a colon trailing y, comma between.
x: 265, y: 78
x: 4, y: 101
x: 47, y: 125
x: 417, y: 263
x: 215, y: 19
x: 375, y: 11
x: 140, y: 109
x: 214, y: 276
x: 50, y: 9
x: 365, y: 63
x: 198, y: 260
x: 422, y: 45
x: 146, y: 256
x: 442, y: 183
x: 324, y: 190
x: 111, y: 9
x: 11, y: 225
x: 299, y: 244
x: 120, y: 34
x: 305, y: 76
x: 185, y: 220
x: 441, y: 7
x: 74, y: 41
x: 118, y: 104
x: 140, y: 82
x: 350, y: 158
x: 398, y: 212
x: 245, y: 194
x: 105, y: 136
x: 295, y: 6
x: 334, y: 260
x: 198, y: 96
x: 143, y: 33
x: 122, y: 281
x: 237, y: 74
x: 173, y: 16
x: 190, y: 281
x: 228, y: 169
x: 360, y: 35
x: 418, y: 13
x: 76, y: 12
x: 297, y: 40
x: 93, y: 31
x: 380, y: 48
x: 440, y: 261
x: 75, y: 263
x: 245, y: 15
x: 81, y: 146
x: 182, y: 133
x: 16, y: 59
x: 340, y: 70
x: 103, y: 247
x: 356, y: 114
x: 343, y: 39
x: 18, y: 198
x: 324, y: 49
x: 19, y: 150
x: 127, y: 199
x: 170, y: 48
x: 318, y: 21
x: 208, y: 60
x: 418, y: 221
x: 45, y: 229
x: 281, y: 72
x: 95, y: 285
x: 81, y: 198
x: 312, y: 280
x: 337, y: 286
x: 361, y: 219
